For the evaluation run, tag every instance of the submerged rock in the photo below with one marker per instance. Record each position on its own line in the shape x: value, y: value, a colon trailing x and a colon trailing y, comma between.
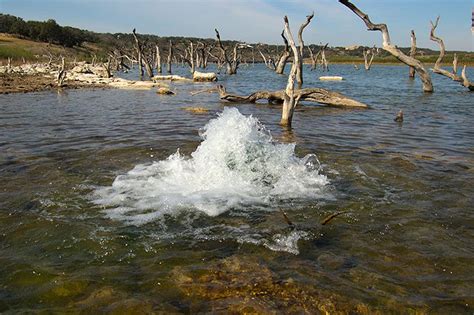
x: 245, y: 285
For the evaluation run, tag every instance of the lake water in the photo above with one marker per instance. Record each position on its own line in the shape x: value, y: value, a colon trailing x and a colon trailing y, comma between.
x: 99, y: 213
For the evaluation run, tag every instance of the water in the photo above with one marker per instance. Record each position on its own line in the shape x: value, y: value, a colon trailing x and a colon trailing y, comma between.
x: 99, y: 213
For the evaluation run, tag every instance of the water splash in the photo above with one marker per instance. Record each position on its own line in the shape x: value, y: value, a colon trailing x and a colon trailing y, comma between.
x: 237, y: 165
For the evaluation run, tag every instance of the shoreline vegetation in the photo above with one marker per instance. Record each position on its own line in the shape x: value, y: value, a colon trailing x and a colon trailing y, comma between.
x: 32, y: 66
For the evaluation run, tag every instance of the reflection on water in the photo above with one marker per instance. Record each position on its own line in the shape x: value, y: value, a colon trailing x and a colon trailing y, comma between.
x: 404, y: 242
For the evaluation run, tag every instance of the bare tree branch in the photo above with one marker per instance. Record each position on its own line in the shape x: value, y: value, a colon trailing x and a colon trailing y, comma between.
x: 392, y: 49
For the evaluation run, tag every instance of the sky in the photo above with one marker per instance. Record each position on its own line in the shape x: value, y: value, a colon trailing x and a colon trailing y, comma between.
x: 254, y: 21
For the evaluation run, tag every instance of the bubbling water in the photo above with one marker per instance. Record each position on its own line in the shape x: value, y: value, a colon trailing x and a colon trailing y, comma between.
x: 237, y: 165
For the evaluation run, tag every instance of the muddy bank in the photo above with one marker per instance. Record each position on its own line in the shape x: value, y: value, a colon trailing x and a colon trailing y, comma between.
x: 20, y: 83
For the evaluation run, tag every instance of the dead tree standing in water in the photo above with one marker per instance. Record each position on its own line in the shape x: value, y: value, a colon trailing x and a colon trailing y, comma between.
x: 232, y: 65
x: 158, y: 59
x: 367, y: 61
x: 299, y: 72
x: 411, y: 73
x: 61, y: 73
x: 280, y: 67
x: 392, y: 49
x: 138, y: 48
x: 442, y: 51
x: 170, y: 56
x: 324, y: 62
x: 269, y: 63
x: 143, y: 59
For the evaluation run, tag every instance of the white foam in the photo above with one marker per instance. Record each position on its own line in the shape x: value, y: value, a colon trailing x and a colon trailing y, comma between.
x: 236, y: 165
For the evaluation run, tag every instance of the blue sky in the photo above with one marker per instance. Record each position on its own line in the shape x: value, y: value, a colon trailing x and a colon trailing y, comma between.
x: 260, y: 20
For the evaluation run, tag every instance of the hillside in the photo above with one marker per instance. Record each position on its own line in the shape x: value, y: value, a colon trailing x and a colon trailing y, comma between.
x: 37, y: 41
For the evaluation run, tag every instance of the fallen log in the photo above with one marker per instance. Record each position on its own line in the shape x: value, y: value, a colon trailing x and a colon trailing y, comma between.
x: 204, y: 76
x: 316, y: 95
x: 171, y: 77
x: 331, y: 78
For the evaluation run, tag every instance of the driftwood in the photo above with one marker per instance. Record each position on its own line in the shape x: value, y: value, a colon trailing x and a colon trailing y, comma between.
x: 392, y: 49
x: 331, y: 78
x: 442, y: 52
x: 172, y: 77
x: 315, y: 95
x: 204, y: 76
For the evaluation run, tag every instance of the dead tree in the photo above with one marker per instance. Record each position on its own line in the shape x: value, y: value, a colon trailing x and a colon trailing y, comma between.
x: 289, y: 98
x: 367, y: 61
x: 219, y: 61
x: 170, y: 56
x: 190, y: 57
x: 232, y: 65
x: 9, y: 65
x: 158, y: 59
x: 411, y: 73
x: 299, y: 72
x: 313, y: 59
x: 107, y: 67
x: 442, y: 51
x: 455, y: 63
x: 392, y: 49
x: 61, y: 73
x: 269, y: 63
x: 280, y: 67
x: 138, y: 49
x: 324, y: 62
x: 465, y: 81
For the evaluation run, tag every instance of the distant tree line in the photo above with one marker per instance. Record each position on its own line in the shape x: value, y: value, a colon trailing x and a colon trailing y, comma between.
x: 48, y: 31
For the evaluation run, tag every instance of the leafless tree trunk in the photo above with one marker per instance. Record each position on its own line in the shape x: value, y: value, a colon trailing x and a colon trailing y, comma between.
x: 107, y: 67
x: 313, y: 60
x: 232, y: 65
x: 442, y: 51
x: 189, y: 57
x: 61, y: 73
x: 9, y: 64
x: 411, y: 73
x: 367, y: 62
x: 269, y: 63
x: 138, y: 48
x: 392, y: 49
x: 158, y: 59
x: 455, y: 63
x: 299, y: 71
x: 170, y: 56
x: 324, y: 62
x: 289, y: 99
x: 466, y: 82
x: 280, y: 68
